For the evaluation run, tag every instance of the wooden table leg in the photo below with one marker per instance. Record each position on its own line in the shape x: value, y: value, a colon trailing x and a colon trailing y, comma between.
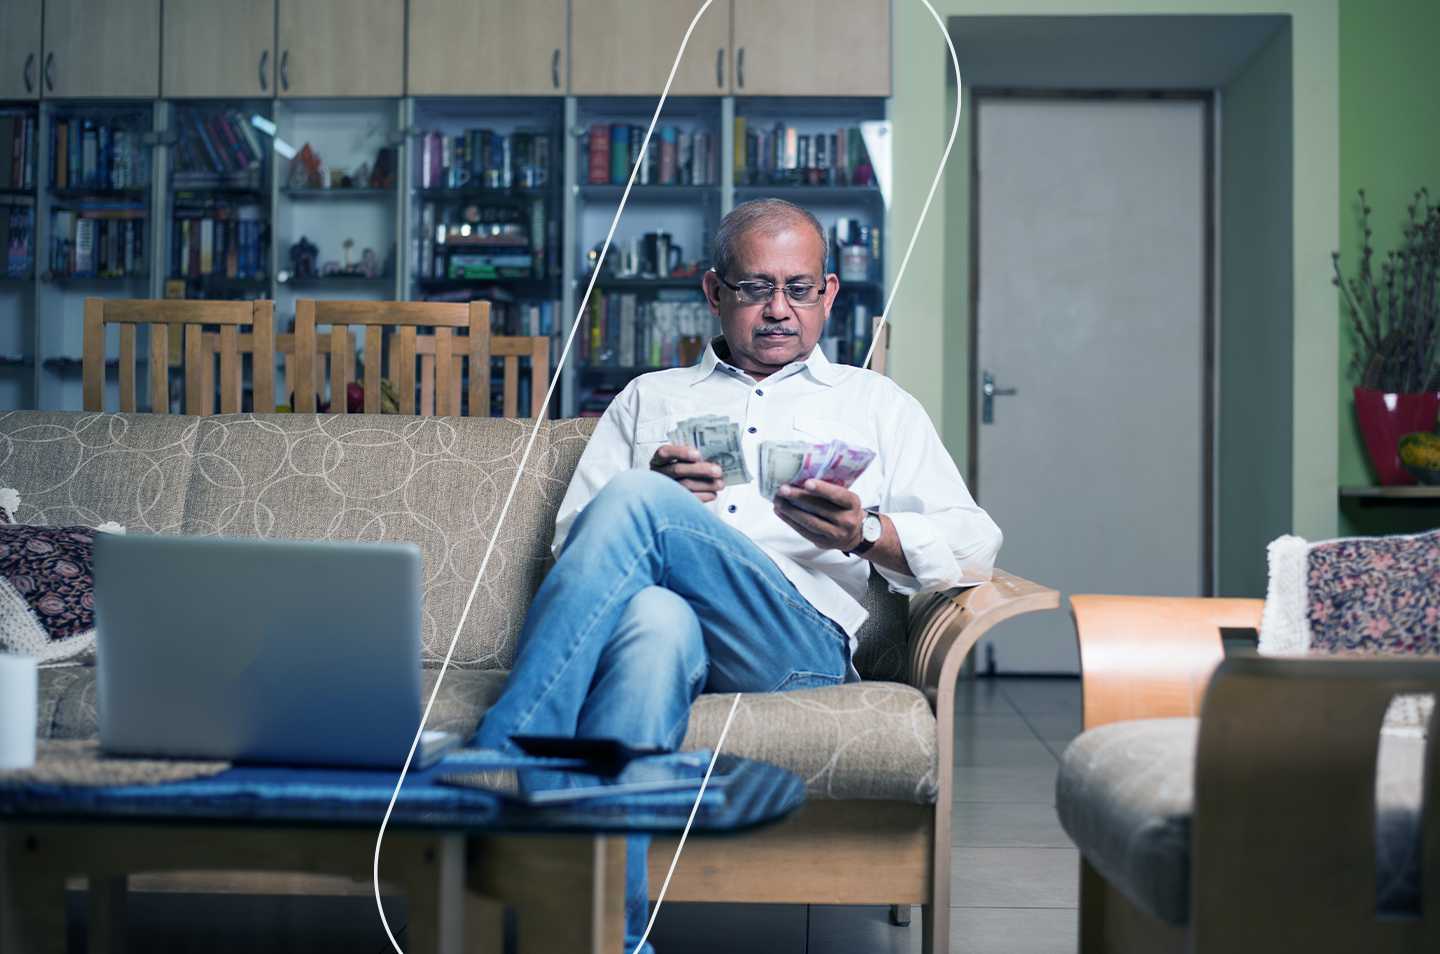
x: 107, y: 925
x: 568, y: 890
x: 32, y: 895
x: 435, y: 894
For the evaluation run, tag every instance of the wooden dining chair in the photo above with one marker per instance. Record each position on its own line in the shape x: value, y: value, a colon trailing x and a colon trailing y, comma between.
x: 406, y: 317
x: 193, y: 316
x: 512, y: 348
x: 285, y: 347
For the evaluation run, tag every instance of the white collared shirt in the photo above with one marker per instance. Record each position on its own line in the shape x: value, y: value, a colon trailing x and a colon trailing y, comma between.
x: 947, y: 539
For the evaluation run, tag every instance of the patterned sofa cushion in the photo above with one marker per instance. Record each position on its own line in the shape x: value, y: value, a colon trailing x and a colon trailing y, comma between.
x: 861, y: 740
x: 864, y: 740
x: 74, y: 469
x: 437, y: 482
x: 1125, y: 796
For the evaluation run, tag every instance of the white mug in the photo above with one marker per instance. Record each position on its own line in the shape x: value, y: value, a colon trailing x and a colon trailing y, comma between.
x: 19, y: 681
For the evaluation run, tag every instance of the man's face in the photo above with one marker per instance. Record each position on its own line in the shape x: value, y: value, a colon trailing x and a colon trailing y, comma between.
x: 765, y: 337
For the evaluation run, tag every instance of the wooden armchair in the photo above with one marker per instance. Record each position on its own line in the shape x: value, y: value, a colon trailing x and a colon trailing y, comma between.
x: 193, y: 316
x: 1282, y: 836
x: 867, y: 851
x: 510, y: 347
x: 285, y: 346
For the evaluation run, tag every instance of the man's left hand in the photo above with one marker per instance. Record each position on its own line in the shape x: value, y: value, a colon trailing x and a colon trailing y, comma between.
x: 826, y: 514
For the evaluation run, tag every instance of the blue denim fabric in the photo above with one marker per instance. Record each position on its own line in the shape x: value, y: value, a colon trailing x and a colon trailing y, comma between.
x: 652, y: 600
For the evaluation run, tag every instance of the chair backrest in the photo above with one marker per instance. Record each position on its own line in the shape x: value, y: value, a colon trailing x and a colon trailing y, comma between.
x: 406, y: 317
x: 161, y: 314
x: 285, y: 346
x: 510, y: 347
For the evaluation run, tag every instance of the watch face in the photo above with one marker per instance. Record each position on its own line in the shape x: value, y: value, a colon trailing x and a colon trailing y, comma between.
x: 871, y: 529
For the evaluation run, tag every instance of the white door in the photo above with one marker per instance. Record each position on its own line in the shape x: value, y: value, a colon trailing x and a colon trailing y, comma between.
x: 1091, y: 306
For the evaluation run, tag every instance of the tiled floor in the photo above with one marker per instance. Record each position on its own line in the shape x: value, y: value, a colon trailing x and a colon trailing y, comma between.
x: 1013, y: 888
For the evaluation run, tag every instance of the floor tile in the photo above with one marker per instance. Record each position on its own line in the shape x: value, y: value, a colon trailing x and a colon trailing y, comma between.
x: 1002, y: 752
x: 1055, y: 727
x: 981, y: 697
x: 993, y: 727
x: 1015, y: 877
x: 1036, y: 696
x: 1005, y: 783
x: 1014, y: 931
x: 1006, y: 825
x: 727, y: 928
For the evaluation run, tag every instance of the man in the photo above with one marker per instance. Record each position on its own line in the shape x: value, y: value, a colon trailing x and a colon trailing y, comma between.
x: 669, y: 583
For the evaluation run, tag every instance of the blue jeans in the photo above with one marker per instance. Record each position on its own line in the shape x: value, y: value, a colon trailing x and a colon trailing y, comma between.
x: 652, y: 600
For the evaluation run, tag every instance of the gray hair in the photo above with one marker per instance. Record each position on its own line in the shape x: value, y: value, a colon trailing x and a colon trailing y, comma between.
x: 764, y: 215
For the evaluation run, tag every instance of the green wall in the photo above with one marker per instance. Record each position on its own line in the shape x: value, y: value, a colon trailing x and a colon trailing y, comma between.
x: 1389, y: 146
x: 1257, y: 318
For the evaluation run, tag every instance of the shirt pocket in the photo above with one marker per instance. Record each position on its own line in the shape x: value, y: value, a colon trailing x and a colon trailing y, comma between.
x: 649, y: 435
x: 817, y: 429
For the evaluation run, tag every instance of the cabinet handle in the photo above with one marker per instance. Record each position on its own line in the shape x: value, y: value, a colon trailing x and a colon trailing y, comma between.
x: 30, y: 73
x: 720, y: 68
x: 555, y: 68
x: 285, y: 70
x: 740, y: 68
x: 264, y: 62
x: 50, y: 72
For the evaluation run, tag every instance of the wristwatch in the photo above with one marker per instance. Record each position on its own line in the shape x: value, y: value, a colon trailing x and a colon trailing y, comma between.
x: 870, y: 531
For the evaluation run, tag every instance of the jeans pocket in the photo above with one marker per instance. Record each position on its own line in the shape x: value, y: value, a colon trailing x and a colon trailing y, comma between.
x: 801, y: 679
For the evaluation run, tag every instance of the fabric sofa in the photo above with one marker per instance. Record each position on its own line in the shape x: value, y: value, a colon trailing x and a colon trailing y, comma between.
x: 1228, y: 802
x: 876, y: 756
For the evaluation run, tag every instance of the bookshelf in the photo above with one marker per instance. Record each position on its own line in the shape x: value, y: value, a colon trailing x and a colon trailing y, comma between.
x: 19, y: 143
x: 97, y: 181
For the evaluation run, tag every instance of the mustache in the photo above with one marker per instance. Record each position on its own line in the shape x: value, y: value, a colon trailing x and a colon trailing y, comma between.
x: 775, y: 330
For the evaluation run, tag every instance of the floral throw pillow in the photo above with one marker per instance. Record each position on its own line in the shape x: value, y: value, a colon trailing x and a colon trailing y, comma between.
x: 1359, y: 594
x: 47, y: 602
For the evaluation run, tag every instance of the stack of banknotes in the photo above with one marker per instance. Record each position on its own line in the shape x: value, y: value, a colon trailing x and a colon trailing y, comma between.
x: 781, y: 462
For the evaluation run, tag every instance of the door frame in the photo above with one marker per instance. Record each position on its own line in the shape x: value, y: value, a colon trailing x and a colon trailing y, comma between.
x: 1210, y: 324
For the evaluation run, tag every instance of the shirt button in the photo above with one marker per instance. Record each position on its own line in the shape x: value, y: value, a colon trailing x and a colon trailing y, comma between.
x: 731, y: 508
x: 750, y: 429
x: 759, y: 393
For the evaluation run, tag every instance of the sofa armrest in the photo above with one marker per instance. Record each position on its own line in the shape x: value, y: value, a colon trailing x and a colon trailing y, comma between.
x: 1150, y: 657
x: 1284, y: 852
x: 945, y: 626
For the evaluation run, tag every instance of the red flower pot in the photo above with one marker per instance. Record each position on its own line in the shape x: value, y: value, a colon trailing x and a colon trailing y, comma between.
x: 1385, y: 418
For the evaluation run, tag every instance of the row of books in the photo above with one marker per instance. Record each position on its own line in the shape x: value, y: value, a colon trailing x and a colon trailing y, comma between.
x: 675, y: 156
x: 92, y: 154
x: 468, y: 242
x: 623, y: 331
x: 17, y: 238
x: 102, y: 242
x: 847, y: 333
x: 485, y: 159
x: 17, y: 151
x: 216, y: 147
x: 782, y: 155
x: 229, y: 243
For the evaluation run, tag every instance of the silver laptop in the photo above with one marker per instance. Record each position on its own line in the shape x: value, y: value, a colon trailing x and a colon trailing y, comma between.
x: 278, y: 651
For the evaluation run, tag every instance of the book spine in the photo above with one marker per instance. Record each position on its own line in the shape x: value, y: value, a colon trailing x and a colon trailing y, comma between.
x: 619, y: 153
x: 742, y: 150
x: 667, y: 156
x: 599, y: 154
x: 684, y: 158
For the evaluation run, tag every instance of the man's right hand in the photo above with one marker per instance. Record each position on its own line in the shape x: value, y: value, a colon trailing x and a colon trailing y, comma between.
x: 684, y: 464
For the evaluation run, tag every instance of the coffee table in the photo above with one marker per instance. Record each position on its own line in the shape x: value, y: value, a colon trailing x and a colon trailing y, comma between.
x: 459, y: 854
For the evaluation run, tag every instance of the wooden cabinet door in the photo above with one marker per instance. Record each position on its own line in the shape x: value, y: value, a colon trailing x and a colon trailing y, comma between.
x: 626, y: 47
x: 486, y: 47
x: 20, y: 49
x: 219, y: 49
x: 812, y: 48
x: 102, y: 48
x: 341, y: 48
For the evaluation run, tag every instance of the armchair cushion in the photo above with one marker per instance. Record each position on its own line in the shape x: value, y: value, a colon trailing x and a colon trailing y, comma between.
x: 1125, y: 796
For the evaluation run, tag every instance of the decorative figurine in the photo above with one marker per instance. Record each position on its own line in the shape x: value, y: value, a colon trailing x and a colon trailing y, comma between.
x: 306, y: 170
x: 345, y: 247
x: 303, y: 256
x: 369, y: 264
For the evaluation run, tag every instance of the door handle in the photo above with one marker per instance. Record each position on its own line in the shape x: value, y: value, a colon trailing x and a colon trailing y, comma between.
x: 285, y: 70
x: 740, y: 68
x: 264, y: 61
x: 555, y: 68
x: 989, y: 392
x: 50, y: 72
x: 720, y: 68
x: 30, y: 73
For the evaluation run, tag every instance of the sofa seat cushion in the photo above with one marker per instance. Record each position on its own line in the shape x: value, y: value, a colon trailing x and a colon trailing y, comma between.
x: 1125, y: 796
x: 872, y: 740
x: 67, y: 700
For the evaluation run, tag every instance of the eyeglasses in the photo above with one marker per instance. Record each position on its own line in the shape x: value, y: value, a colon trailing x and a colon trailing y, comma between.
x: 760, y: 292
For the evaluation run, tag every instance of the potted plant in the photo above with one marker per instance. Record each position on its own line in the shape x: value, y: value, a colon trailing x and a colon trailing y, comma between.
x: 1395, y: 322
